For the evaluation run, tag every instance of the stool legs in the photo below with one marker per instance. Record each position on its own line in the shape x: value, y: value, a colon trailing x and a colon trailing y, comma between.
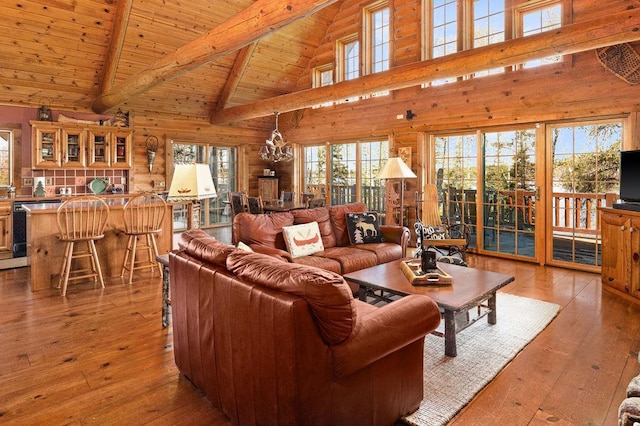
x: 151, y: 248
x: 95, y: 271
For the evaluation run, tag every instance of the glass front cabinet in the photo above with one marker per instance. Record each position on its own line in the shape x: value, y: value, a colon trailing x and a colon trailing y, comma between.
x: 74, y: 145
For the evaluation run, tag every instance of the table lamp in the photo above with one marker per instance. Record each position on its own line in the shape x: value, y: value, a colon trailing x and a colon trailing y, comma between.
x: 397, y: 169
x: 192, y: 182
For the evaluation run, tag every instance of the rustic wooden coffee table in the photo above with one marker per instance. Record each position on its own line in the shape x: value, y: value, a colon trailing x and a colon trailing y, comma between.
x: 471, y: 288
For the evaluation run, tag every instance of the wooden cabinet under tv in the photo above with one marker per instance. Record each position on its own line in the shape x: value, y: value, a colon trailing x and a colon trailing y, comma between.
x: 620, y: 230
x: 74, y: 145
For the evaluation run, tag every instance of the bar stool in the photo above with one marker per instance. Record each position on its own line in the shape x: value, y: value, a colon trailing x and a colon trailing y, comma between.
x: 143, y: 215
x: 81, y: 220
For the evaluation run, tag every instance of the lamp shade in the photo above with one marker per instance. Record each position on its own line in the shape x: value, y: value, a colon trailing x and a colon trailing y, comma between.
x: 191, y: 182
x: 395, y: 169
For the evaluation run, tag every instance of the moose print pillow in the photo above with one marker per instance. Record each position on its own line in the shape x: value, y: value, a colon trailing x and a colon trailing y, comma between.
x: 364, y: 228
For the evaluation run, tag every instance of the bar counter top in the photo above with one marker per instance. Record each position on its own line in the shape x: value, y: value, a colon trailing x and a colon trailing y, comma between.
x: 45, y: 251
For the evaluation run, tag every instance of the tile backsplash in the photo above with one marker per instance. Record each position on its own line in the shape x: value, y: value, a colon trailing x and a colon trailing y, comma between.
x: 74, y: 181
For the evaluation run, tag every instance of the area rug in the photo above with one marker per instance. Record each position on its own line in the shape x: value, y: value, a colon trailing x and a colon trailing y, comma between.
x: 483, y: 351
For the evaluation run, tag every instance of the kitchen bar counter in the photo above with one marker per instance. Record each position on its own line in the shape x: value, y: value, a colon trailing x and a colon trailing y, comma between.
x: 46, y: 251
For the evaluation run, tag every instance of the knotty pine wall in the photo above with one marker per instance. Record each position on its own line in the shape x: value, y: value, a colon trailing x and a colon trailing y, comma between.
x: 577, y: 89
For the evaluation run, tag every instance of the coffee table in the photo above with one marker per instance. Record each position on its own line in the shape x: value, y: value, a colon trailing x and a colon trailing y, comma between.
x: 471, y: 288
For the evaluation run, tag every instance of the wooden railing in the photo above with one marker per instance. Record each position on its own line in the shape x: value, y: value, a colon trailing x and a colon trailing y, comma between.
x: 577, y: 212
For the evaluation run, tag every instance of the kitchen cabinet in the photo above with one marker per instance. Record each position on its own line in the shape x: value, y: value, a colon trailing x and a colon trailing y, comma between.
x: 6, y: 238
x: 620, y: 230
x: 76, y: 145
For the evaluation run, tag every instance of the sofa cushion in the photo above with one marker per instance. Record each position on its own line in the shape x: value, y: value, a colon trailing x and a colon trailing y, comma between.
x: 385, y: 252
x: 320, y: 262
x: 339, y: 221
x: 363, y: 228
x: 327, y: 293
x: 350, y: 258
x: 201, y: 245
x: 303, y: 239
x: 262, y: 229
x: 320, y: 215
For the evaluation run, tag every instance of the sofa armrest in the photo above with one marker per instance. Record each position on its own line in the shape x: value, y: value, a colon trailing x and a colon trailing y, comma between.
x: 385, y: 330
x: 272, y: 251
x: 397, y: 234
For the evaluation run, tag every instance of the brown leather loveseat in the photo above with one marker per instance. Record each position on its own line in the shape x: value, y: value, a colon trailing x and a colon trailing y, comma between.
x: 277, y: 343
x: 263, y: 233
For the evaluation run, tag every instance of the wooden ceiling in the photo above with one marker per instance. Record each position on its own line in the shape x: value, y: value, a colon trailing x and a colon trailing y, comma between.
x: 218, y: 60
x: 66, y: 53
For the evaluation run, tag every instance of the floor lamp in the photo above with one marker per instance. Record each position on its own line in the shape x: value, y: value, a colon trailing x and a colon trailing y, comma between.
x: 397, y: 169
x: 192, y: 182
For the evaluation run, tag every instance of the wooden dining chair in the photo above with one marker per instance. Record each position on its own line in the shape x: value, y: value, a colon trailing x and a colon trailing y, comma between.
x: 143, y: 216
x: 315, y: 202
x: 81, y: 220
x: 306, y: 196
x: 237, y: 202
x: 287, y: 196
x: 255, y: 205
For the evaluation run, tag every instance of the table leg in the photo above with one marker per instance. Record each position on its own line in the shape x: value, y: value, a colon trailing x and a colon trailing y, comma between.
x: 492, y: 318
x: 362, y: 293
x: 450, y: 334
x: 165, y: 296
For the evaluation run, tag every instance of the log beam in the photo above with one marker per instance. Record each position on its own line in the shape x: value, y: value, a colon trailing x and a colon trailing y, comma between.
x: 119, y: 30
x: 258, y: 20
x: 239, y: 67
x: 574, y: 38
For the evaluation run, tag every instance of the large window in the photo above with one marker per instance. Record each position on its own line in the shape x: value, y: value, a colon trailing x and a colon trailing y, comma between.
x: 6, y: 145
x: 222, y: 164
x: 349, y: 171
x: 378, y: 38
x: 488, y: 27
x: 348, y: 61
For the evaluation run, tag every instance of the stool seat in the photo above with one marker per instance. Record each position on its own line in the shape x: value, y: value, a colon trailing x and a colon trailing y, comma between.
x: 143, y: 216
x: 81, y: 220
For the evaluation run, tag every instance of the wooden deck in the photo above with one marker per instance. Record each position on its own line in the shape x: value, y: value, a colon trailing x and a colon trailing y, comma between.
x: 101, y: 356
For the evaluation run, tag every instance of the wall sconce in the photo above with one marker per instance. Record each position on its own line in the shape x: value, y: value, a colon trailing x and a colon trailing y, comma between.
x: 152, y: 146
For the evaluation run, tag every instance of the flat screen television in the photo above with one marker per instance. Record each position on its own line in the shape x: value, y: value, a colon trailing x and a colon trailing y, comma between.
x: 630, y: 176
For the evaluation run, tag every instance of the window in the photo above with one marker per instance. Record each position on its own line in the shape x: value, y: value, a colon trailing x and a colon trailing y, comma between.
x: 350, y: 170
x: 488, y: 27
x: 538, y: 19
x: 377, y: 32
x: 323, y: 76
x: 222, y: 164
x: 348, y: 61
x: 6, y: 148
x: 444, y: 31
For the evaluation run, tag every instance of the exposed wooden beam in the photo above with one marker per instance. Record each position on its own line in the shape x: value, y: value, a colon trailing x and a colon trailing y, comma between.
x: 118, y: 32
x: 239, y: 67
x: 608, y: 30
x: 258, y: 20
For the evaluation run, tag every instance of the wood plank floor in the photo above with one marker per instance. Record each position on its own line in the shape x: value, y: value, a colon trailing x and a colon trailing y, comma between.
x: 100, y: 356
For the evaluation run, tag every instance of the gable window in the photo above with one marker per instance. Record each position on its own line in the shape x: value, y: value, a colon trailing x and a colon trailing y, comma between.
x: 444, y: 30
x: 323, y: 76
x: 348, y: 60
x: 488, y: 27
x: 377, y: 30
x: 541, y: 17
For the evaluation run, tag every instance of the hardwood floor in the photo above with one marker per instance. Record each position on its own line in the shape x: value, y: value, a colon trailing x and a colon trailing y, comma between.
x: 100, y: 356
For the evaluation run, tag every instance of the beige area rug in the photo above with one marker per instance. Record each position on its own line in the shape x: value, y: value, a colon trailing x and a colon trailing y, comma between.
x: 483, y: 351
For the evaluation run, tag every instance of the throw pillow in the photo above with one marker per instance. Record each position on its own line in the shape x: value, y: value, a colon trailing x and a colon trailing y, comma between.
x: 364, y: 228
x: 434, y: 233
x: 303, y: 239
x: 243, y: 246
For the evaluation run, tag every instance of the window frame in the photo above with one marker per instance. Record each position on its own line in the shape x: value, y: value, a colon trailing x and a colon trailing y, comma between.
x: 9, y: 160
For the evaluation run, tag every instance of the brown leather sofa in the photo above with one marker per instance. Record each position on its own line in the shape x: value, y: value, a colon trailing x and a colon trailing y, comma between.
x: 263, y: 233
x: 276, y: 343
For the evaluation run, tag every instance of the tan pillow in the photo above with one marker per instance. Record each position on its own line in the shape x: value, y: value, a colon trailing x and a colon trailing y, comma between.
x: 303, y: 239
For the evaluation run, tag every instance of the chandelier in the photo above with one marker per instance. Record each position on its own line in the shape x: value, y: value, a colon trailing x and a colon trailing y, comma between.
x: 276, y: 148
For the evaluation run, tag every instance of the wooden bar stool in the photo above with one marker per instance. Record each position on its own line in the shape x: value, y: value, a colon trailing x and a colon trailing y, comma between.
x: 143, y: 215
x: 81, y: 220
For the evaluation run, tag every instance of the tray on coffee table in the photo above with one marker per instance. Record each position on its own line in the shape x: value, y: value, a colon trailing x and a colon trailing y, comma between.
x: 413, y: 271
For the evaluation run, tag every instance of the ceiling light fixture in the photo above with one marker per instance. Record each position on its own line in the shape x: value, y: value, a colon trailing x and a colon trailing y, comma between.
x: 276, y: 148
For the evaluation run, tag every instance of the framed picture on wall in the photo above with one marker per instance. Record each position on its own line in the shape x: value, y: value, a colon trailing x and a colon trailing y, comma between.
x: 405, y: 154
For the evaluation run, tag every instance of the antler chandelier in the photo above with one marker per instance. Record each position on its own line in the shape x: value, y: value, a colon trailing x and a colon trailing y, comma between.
x: 276, y: 148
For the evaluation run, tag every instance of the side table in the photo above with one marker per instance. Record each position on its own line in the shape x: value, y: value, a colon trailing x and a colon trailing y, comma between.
x: 163, y: 259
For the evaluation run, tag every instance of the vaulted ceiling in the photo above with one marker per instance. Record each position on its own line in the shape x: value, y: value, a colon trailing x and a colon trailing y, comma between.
x: 102, y: 55
x: 218, y: 60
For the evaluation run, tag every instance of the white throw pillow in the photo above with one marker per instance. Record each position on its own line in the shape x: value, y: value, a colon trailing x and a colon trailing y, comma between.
x: 303, y: 240
x: 243, y: 246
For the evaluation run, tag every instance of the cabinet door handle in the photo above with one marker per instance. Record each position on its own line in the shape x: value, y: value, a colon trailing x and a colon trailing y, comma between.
x: 622, y: 228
